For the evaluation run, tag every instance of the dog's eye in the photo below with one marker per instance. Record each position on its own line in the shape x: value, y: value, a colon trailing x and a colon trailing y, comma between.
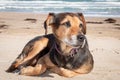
x: 67, y: 24
x: 81, y: 25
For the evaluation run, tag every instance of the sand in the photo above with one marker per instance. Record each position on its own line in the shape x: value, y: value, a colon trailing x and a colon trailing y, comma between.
x: 16, y: 29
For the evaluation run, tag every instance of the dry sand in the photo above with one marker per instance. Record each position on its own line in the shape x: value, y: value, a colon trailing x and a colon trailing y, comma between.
x: 16, y: 29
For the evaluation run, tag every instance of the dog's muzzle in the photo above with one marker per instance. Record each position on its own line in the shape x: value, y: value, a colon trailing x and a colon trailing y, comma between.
x: 75, y: 41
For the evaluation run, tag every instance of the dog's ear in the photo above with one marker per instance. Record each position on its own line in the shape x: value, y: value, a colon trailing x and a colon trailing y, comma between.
x: 84, y: 22
x: 49, y: 21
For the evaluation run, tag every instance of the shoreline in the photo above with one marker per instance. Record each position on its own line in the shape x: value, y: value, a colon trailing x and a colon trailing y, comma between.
x: 46, y: 13
x: 16, y: 29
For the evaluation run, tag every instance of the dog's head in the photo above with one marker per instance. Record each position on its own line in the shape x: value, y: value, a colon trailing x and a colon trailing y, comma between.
x: 69, y: 28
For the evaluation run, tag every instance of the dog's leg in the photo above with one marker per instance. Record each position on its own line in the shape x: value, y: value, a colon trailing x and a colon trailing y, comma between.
x: 33, y: 71
x: 38, y: 69
x: 86, y: 68
x: 38, y: 46
x: 64, y: 72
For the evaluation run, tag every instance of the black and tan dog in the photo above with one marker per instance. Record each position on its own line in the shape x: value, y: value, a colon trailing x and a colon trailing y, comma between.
x: 64, y: 52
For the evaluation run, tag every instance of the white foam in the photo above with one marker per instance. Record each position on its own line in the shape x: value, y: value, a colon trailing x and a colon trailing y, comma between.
x: 89, y: 8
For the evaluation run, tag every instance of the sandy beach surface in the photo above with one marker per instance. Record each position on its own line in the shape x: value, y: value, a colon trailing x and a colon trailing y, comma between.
x: 16, y: 29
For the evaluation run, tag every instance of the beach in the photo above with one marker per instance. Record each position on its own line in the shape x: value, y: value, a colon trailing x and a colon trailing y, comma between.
x: 16, y: 29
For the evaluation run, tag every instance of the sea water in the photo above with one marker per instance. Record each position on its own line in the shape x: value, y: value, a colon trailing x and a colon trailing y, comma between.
x: 88, y: 7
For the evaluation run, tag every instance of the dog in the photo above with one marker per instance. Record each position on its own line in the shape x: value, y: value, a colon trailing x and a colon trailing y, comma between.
x: 65, y: 51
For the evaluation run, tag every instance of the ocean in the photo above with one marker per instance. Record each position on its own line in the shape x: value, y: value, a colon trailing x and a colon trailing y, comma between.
x: 88, y: 7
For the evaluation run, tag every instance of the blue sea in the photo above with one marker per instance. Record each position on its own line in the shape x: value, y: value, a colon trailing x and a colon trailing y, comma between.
x: 88, y: 7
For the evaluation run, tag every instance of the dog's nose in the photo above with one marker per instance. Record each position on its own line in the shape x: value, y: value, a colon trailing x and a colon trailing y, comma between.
x: 80, y: 37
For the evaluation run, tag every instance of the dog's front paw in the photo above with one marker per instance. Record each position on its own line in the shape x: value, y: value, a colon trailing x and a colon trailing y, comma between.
x: 25, y: 71
x: 68, y: 73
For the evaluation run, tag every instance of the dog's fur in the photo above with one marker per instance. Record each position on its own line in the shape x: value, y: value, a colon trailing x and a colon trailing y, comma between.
x: 64, y: 52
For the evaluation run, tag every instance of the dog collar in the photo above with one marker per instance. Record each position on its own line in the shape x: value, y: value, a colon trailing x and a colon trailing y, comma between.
x: 73, y: 51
